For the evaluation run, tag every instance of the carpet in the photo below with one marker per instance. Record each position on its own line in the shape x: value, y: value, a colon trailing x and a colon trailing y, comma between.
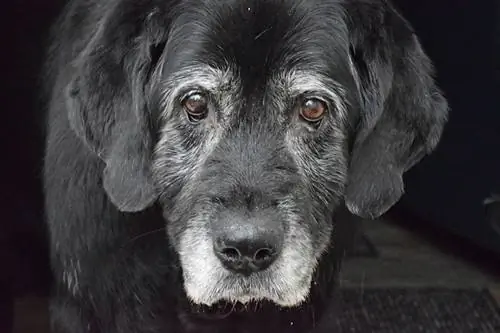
x: 418, y: 310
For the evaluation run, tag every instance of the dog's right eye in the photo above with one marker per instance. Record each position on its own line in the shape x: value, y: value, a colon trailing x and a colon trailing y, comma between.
x: 196, y: 106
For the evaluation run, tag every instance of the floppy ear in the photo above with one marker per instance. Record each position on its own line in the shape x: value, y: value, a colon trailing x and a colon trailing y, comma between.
x: 107, y: 101
x: 402, y: 110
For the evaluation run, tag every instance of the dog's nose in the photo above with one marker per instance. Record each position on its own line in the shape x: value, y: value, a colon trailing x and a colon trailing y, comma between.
x: 247, y: 251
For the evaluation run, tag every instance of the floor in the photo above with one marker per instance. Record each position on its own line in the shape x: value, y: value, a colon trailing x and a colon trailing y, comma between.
x: 406, y: 258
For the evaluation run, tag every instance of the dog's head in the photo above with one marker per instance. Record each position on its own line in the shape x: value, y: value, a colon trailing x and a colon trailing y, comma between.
x: 250, y: 122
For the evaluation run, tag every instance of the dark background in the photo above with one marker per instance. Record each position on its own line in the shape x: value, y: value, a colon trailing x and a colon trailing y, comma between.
x: 445, y: 192
x: 448, y: 188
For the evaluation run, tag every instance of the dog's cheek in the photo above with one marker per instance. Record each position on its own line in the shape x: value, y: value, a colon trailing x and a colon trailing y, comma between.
x: 178, y: 157
x: 324, y: 175
x: 324, y: 166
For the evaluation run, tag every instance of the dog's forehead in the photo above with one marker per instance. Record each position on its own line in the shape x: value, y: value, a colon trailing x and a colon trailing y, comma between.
x: 259, y: 38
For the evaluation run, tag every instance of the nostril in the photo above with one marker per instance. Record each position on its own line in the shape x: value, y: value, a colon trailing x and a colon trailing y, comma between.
x: 231, y: 253
x: 247, y: 249
x: 263, y: 255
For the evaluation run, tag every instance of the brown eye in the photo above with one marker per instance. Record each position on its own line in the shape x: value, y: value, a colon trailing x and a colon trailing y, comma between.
x: 196, y: 106
x: 313, y: 109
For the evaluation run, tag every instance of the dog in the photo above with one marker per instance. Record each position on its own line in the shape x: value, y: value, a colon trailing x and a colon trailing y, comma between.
x: 199, y: 156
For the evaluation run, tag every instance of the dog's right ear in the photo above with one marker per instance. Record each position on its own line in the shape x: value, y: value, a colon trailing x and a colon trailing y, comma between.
x: 107, y: 100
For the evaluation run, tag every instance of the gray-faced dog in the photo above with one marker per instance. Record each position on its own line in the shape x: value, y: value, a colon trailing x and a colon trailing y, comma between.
x: 198, y: 154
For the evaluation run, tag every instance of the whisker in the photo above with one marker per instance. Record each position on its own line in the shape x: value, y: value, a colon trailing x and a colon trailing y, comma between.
x: 147, y: 233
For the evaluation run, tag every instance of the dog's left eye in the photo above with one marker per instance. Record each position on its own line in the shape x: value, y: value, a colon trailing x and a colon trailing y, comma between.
x: 313, y: 110
x: 196, y: 106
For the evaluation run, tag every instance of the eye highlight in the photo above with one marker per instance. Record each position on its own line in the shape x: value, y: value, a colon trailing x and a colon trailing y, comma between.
x: 196, y: 106
x: 312, y: 109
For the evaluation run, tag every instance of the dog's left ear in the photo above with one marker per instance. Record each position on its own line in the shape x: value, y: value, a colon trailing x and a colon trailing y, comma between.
x: 402, y: 110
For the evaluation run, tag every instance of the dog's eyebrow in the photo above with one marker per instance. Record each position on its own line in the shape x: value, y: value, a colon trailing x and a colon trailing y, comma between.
x: 293, y: 82
x: 194, y: 76
x: 298, y: 81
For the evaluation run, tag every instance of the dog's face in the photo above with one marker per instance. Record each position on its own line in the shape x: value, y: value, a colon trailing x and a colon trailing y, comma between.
x: 254, y: 121
x: 252, y: 153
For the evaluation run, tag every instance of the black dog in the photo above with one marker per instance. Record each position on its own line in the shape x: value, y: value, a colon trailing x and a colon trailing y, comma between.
x: 198, y: 154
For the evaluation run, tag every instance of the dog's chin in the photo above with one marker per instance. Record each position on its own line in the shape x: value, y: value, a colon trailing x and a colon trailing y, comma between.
x: 240, y: 296
x: 246, y: 300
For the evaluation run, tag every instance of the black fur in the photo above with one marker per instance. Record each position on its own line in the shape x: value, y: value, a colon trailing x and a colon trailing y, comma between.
x: 107, y: 206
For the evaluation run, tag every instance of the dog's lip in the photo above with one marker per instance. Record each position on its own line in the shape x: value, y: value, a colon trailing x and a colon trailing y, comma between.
x: 224, y: 308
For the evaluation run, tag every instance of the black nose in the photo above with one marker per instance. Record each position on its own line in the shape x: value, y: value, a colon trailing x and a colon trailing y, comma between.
x: 247, y: 251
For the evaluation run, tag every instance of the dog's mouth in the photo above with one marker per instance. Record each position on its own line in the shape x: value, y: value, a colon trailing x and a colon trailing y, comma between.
x: 238, y: 295
x: 224, y: 309
x: 247, y: 301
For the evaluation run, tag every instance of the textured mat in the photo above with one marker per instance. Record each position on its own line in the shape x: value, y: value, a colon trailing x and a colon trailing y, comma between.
x: 418, y: 310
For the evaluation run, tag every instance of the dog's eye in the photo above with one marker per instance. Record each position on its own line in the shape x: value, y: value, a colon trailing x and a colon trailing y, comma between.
x: 196, y: 106
x: 312, y: 110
